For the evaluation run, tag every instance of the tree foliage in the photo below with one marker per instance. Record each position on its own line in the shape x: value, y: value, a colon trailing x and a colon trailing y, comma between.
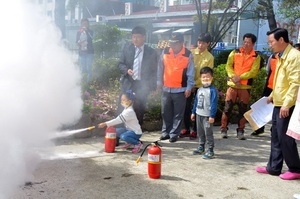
x: 107, y: 40
x: 290, y: 9
x: 229, y: 14
x: 219, y: 24
x: 265, y: 10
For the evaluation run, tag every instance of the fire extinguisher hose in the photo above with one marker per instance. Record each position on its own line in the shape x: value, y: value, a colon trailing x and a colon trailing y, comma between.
x: 153, y: 144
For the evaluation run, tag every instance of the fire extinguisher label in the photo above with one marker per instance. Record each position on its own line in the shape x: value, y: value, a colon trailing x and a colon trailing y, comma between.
x: 153, y: 158
x: 111, y: 135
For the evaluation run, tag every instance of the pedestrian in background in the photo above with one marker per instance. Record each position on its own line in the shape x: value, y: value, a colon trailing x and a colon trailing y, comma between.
x: 84, y: 39
x: 242, y: 66
x: 202, y: 57
x: 284, y: 95
x: 205, y: 110
x: 175, y: 77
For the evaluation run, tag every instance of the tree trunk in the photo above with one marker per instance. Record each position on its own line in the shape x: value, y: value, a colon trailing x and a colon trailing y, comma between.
x: 268, y: 6
x: 271, y: 15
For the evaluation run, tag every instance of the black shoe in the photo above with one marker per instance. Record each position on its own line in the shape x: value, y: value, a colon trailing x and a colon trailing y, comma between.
x: 173, y: 139
x: 257, y: 133
x: 164, y: 137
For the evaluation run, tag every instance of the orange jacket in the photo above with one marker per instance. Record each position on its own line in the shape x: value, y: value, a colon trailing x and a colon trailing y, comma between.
x: 175, y: 68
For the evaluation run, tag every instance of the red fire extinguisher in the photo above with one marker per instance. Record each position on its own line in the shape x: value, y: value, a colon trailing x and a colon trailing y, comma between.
x: 110, y: 139
x: 154, y: 160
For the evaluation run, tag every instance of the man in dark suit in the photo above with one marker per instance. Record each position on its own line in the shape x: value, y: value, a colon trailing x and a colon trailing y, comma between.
x: 138, y: 65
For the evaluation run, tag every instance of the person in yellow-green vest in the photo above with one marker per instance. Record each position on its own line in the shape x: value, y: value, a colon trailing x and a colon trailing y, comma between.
x: 241, y: 67
x: 202, y: 58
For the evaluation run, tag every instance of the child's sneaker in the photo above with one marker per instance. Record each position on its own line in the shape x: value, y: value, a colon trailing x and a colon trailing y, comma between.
x: 193, y: 135
x: 137, y: 148
x: 126, y: 145
x: 208, y: 155
x: 199, y: 151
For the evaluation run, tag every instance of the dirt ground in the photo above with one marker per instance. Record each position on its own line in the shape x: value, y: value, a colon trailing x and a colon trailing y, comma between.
x: 79, y: 168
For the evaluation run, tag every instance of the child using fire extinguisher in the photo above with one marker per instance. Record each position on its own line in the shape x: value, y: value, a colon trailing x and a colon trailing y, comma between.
x: 204, y: 111
x: 132, y: 131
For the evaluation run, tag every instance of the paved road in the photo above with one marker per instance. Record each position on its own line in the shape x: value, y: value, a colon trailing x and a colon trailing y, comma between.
x: 79, y: 168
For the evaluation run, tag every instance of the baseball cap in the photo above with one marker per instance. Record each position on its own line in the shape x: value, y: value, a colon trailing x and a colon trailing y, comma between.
x: 176, y: 37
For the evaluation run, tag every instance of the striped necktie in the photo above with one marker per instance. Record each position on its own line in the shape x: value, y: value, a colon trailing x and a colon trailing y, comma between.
x: 136, y: 63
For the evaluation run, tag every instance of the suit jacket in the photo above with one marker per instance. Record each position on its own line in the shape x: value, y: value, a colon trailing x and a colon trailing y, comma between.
x: 148, y: 67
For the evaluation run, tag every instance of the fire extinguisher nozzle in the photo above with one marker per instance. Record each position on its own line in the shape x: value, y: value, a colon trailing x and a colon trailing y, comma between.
x: 138, y: 160
x: 91, y: 128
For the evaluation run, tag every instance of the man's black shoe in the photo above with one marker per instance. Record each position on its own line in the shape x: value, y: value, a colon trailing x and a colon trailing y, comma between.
x: 164, y: 137
x: 257, y: 133
x: 173, y: 139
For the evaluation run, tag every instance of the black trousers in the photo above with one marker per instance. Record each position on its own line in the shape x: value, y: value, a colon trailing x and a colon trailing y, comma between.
x: 283, y: 147
x: 188, y: 111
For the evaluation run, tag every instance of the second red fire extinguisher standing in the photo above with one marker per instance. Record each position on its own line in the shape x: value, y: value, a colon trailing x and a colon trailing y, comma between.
x: 154, y: 160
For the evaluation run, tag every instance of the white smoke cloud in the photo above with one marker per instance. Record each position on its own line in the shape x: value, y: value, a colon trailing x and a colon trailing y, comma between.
x: 39, y: 86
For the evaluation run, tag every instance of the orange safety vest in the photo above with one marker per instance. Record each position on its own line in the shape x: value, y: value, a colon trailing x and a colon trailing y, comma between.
x: 273, y: 62
x: 175, y: 68
x: 243, y: 64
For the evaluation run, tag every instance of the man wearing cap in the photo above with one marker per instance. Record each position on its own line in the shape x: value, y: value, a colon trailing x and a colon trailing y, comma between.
x: 175, y: 76
x: 138, y: 65
x: 202, y: 57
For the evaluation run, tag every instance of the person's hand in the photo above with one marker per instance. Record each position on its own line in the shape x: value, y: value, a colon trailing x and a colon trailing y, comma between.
x: 211, y: 120
x: 284, y: 112
x: 238, y: 84
x: 187, y: 93
x: 270, y: 99
x: 130, y: 72
x: 102, y: 125
x: 236, y: 79
x: 193, y: 117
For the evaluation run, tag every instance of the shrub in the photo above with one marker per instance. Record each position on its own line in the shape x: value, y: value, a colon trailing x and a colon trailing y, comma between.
x: 221, y: 57
x: 100, y: 103
x: 220, y: 82
x: 105, y: 70
x: 153, y: 109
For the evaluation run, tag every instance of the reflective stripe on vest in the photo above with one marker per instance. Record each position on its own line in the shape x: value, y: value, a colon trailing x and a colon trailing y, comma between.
x: 175, y: 68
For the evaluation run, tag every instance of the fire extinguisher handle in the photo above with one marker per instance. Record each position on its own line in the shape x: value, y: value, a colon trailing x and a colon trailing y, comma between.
x: 156, y: 143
